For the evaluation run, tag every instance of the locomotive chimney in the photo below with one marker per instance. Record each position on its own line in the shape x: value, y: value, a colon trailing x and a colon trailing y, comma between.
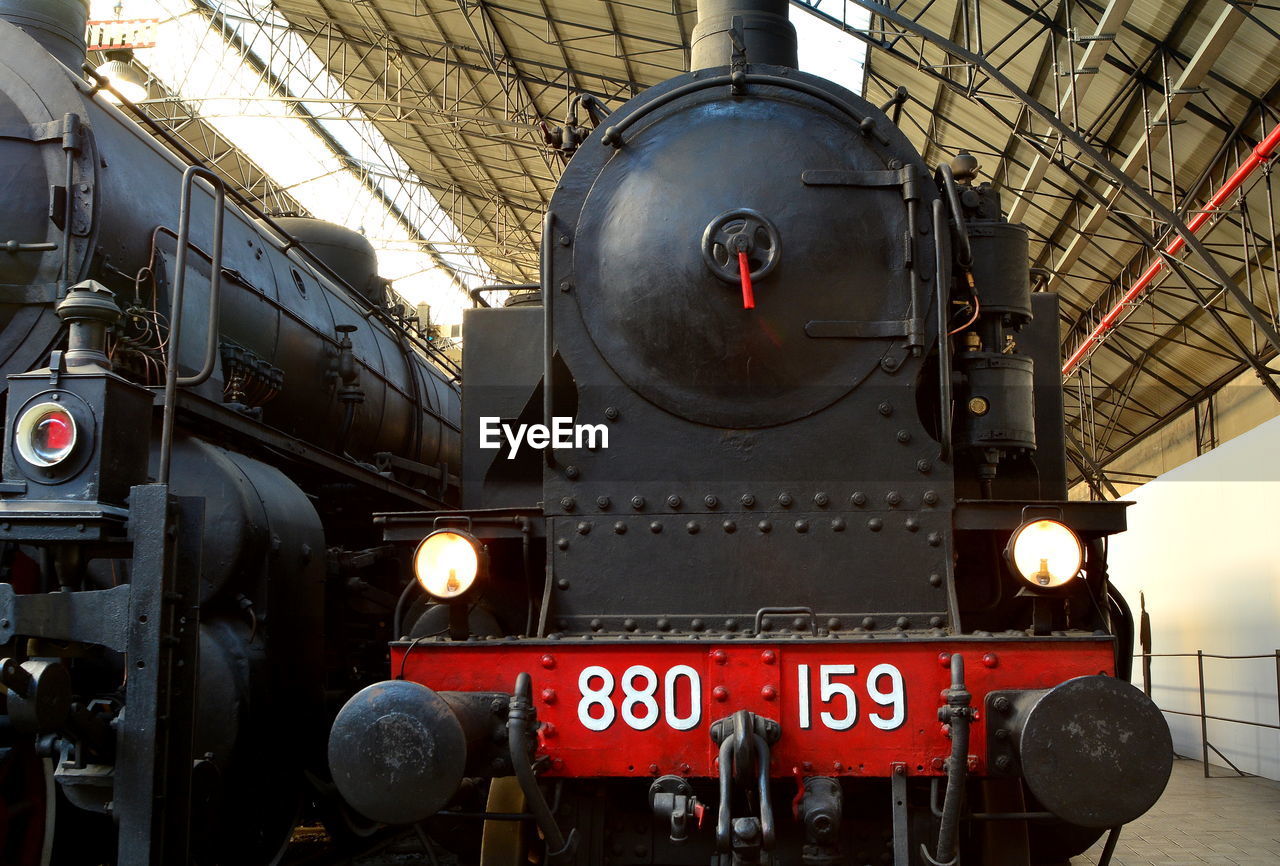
x: 765, y: 32
x: 58, y: 25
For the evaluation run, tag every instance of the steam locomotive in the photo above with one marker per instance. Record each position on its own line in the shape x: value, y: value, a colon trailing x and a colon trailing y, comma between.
x: 765, y: 553
x: 203, y: 406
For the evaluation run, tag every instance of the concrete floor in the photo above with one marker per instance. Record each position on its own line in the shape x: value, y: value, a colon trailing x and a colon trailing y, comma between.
x: 1226, y: 820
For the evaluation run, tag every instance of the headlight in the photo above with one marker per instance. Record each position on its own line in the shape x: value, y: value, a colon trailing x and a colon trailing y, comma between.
x: 446, y: 563
x: 1045, y: 552
x: 45, y: 434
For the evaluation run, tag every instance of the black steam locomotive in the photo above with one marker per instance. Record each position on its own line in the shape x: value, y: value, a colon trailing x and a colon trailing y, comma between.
x: 765, y: 554
x: 202, y: 410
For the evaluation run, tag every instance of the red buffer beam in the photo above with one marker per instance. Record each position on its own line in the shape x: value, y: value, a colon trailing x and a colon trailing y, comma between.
x: 1260, y: 154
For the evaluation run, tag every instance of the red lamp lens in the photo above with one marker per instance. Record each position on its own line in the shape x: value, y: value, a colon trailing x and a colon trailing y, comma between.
x: 53, y: 436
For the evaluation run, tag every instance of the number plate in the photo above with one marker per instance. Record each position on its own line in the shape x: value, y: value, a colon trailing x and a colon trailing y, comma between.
x: 638, y: 709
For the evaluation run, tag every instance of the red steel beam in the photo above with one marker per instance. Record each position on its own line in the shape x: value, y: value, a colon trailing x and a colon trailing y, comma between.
x: 1260, y: 154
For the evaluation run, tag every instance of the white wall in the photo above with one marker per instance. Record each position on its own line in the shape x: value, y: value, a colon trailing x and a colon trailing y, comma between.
x: 1204, y: 546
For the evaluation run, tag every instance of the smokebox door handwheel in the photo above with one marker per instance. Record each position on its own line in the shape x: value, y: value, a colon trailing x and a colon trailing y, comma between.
x: 741, y: 246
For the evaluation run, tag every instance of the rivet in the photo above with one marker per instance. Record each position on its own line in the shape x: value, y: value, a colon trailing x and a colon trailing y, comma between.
x: 720, y: 657
x: 766, y: 624
x: 548, y: 696
x: 935, y: 579
x: 936, y: 763
x: 629, y: 624
x: 935, y: 539
x: 584, y: 528
x: 571, y: 472
x: 885, y: 409
x: 868, y: 622
x: 664, y: 624
x: 768, y: 656
x: 637, y: 502
x: 821, y: 499
x: 562, y: 543
x: 655, y: 527
x: 720, y: 694
x: 620, y: 528
x: 837, y: 766
x: 568, y: 504
x: 673, y: 501
x: 565, y: 286
x: 859, y: 498
x: 935, y: 622
x: 549, y: 661
x: 802, y: 526
x: 799, y: 622
x: 888, y: 364
x: 692, y: 527
x: 653, y: 771
x: 903, y: 622
x: 837, y: 525
x: 710, y: 501
x: 924, y: 467
x: 833, y: 624
x: 930, y: 497
x: 611, y: 413
x: 769, y: 693
x: 785, y: 500
x: 913, y: 525
x: 894, y: 498
x: 697, y: 624
x: 602, y: 502
x: 596, y: 625
x: 904, y: 437
x: 747, y: 500
x: 730, y: 625
x: 764, y: 526
x: 991, y: 660
x: 564, y: 240
x: 563, y: 583
x: 944, y: 660
x: 730, y: 527
x: 875, y: 524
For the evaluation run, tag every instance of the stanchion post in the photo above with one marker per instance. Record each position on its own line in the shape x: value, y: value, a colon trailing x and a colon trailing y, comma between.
x: 1204, y: 720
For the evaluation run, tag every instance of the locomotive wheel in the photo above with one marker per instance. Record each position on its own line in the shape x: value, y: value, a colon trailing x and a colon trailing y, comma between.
x: 26, y: 807
x: 503, y: 842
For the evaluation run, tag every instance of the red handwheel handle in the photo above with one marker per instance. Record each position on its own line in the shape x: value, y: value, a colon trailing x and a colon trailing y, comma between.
x: 744, y: 271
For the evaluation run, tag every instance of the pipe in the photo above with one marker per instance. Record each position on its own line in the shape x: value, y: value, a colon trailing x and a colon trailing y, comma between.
x: 519, y: 712
x: 1260, y: 154
x: 957, y: 714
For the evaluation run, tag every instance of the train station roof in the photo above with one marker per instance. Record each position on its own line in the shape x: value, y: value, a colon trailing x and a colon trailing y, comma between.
x: 1106, y: 124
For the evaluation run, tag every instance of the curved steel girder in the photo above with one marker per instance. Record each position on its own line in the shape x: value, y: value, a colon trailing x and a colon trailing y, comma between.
x: 1122, y: 181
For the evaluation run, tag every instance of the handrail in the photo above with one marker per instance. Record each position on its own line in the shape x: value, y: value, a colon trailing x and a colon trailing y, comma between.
x: 171, y: 378
x: 1203, y: 715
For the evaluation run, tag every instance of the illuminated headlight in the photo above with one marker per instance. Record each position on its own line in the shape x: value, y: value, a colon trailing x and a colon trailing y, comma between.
x: 447, y: 563
x: 1046, y: 553
x: 45, y: 434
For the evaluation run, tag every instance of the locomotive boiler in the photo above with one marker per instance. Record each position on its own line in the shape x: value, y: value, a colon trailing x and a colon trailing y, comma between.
x: 812, y: 592
x: 203, y: 406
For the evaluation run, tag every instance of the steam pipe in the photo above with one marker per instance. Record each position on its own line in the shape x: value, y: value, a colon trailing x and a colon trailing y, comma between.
x: 1260, y: 154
